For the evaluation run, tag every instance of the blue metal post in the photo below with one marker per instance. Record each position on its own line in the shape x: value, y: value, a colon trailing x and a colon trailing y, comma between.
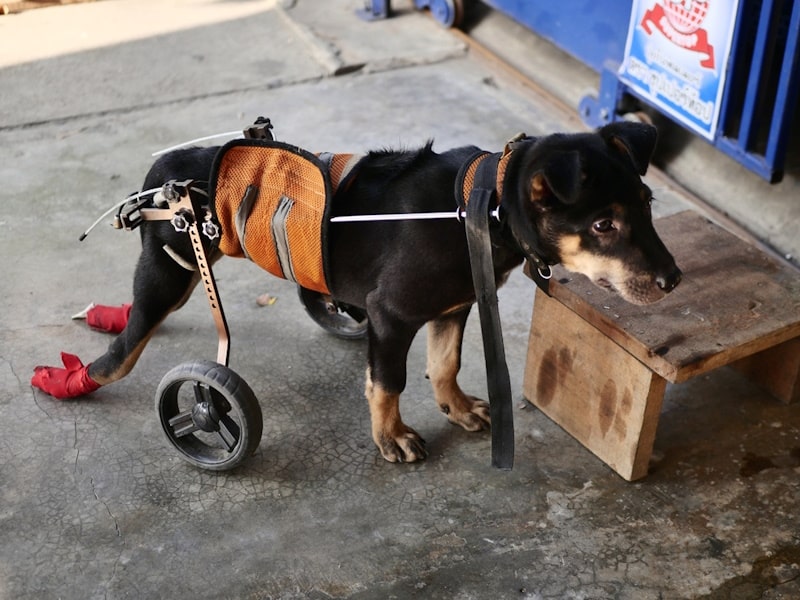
x: 750, y: 112
x: 786, y: 97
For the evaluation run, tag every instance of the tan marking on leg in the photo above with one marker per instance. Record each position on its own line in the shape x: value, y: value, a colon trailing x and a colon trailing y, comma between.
x: 396, y: 441
x: 455, y: 309
x: 126, y: 366
x: 444, y: 346
x: 368, y: 387
x: 130, y: 361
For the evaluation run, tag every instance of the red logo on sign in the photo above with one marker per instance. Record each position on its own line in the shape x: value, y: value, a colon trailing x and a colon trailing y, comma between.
x: 680, y: 21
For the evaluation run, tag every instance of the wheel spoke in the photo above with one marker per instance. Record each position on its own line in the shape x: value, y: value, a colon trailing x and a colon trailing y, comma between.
x: 202, y: 393
x: 183, y: 424
x: 209, y: 414
x: 229, y: 432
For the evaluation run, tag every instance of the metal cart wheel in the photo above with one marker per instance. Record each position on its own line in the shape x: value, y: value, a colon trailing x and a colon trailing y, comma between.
x: 342, y: 320
x: 449, y: 13
x: 209, y: 414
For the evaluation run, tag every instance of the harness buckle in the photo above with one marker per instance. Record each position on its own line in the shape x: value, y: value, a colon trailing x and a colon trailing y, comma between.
x: 129, y: 216
x: 260, y: 130
x: 514, y: 141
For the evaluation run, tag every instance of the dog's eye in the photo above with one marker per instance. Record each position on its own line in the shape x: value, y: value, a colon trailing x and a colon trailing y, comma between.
x: 603, y: 225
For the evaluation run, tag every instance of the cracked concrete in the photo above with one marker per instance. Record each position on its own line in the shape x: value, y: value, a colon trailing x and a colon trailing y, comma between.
x: 95, y: 504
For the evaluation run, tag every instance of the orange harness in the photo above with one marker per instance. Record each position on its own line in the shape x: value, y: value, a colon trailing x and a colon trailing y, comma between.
x: 272, y: 201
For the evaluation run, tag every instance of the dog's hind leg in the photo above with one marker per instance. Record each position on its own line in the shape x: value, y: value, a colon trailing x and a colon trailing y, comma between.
x: 161, y: 285
x: 445, y: 336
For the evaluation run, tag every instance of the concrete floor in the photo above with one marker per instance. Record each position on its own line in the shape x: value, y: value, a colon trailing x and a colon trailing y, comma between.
x: 95, y: 504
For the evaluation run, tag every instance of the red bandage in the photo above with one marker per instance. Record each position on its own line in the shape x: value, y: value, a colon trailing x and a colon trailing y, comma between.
x: 111, y: 319
x: 69, y: 382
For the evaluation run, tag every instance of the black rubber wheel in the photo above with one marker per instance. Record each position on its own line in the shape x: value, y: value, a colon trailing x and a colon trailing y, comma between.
x: 209, y: 414
x: 342, y: 320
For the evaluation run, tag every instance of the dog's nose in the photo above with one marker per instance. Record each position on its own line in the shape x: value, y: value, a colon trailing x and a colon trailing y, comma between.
x: 669, y: 281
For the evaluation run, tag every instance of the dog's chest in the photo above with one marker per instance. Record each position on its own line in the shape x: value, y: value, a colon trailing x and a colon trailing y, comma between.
x: 272, y: 202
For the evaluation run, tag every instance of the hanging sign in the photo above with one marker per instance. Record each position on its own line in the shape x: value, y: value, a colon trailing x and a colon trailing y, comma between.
x: 676, y: 57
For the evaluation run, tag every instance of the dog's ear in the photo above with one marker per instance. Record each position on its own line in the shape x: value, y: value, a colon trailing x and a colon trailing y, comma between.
x: 635, y: 141
x: 561, y: 176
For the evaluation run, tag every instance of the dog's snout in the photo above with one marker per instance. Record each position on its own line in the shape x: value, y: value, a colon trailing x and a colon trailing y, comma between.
x: 669, y: 281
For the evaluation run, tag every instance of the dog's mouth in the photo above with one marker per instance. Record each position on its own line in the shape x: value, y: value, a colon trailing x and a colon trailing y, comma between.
x: 634, y: 285
x: 640, y: 289
x: 605, y: 283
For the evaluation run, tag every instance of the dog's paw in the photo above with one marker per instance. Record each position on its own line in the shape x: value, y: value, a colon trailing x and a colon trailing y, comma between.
x: 70, y: 382
x: 404, y: 445
x: 469, y: 412
x: 111, y: 319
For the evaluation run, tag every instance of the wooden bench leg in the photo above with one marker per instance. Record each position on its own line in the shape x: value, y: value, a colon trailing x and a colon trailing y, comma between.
x: 776, y: 369
x: 592, y: 388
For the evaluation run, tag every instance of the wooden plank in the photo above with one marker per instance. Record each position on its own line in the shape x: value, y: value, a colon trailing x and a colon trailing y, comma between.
x: 734, y: 301
x: 776, y: 369
x: 592, y: 388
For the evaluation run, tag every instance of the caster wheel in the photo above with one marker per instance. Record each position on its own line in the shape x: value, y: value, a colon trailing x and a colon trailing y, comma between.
x: 449, y: 13
x: 209, y: 414
x: 347, y: 322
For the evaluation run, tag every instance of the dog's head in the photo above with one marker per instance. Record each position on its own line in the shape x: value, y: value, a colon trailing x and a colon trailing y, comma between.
x: 580, y: 201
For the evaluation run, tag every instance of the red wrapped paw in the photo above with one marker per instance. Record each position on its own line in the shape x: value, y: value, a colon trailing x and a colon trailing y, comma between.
x: 111, y: 319
x: 70, y: 382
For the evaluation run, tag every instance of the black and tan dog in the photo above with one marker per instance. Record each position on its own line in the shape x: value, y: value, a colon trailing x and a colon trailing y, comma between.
x: 574, y: 199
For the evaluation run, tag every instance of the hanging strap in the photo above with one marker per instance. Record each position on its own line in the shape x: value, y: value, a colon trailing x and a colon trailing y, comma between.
x: 483, y: 278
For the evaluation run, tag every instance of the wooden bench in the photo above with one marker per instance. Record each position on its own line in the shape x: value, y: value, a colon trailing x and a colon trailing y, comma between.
x: 598, y: 366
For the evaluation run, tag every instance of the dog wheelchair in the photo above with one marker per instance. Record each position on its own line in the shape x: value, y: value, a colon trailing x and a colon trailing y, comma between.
x: 207, y: 412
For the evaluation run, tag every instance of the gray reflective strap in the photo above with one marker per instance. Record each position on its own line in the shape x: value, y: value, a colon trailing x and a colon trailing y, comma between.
x: 326, y: 158
x: 349, y: 166
x: 281, y: 238
x: 245, y: 208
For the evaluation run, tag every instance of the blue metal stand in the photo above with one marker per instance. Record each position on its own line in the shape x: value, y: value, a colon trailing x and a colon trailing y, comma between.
x: 447, y: 12
x: 374, y: 10
x: 592, y: 32
x: 760, y: 96
x: 603, y: 108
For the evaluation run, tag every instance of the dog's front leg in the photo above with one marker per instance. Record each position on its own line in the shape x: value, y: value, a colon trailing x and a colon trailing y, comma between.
x: 389, y: 341
x: 445, y: 336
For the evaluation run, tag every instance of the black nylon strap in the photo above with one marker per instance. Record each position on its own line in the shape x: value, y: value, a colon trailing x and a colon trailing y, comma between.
x: 480, y: 254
